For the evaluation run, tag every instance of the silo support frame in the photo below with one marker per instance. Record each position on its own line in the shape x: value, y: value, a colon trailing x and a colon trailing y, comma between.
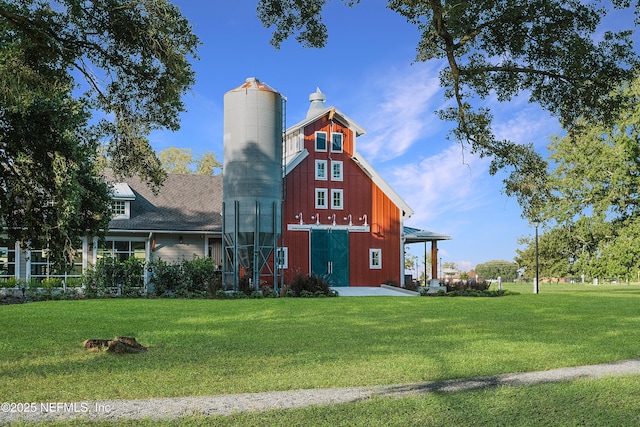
x: 260, y: 247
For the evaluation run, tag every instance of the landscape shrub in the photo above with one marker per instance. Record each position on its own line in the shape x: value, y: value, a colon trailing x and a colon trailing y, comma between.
x: 462, y: 285
x: 307, y: 286
x: 111, y: 277
x: 196, y: 278
x: 467, y: 288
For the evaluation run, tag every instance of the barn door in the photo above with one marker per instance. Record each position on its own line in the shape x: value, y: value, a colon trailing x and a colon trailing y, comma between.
x: 330, y: 255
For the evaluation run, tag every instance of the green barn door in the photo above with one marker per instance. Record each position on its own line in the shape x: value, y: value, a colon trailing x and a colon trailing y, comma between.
x: 330, y: 255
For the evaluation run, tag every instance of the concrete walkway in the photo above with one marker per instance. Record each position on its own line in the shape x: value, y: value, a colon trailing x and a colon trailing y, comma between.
x: 170, y: 408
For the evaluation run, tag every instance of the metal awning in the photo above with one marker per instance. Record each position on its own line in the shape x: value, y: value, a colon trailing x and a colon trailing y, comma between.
x: 415, y: 235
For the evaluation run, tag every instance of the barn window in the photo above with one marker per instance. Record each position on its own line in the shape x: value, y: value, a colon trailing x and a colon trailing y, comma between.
x: 336, y: 142
x: 282, y: 257
x: 321, y: 170
x: 321, y: 198
x: 321, y: 141
x: 336, y: 170
x: 336, y: 199
x: 375, y: 259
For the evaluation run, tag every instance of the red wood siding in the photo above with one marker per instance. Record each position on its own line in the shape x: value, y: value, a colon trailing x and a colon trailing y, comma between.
x: 360, y: 197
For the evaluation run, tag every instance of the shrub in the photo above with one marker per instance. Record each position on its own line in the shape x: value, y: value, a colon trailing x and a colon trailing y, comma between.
x: 307, y: 286
x: 51, y: 283
x: 194, y: 278
x: 112, y: 277
x: 462, y: 285
x: 12, y: 282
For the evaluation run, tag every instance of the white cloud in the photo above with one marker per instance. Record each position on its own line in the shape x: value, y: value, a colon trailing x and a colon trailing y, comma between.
x: 399, y: 116
x: 528, y: 125
x: 450, y: 181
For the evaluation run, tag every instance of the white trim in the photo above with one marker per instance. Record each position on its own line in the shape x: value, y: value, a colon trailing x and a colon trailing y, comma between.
x: 307, y: 227
x: 295, y: 161
x: 315, y: 142
x: 285, y: 257
x: 372, y: 257
x: 326, y: 197
x: 16, y: 245
x: 337, y: 163
x: 341, y: 142
x: 341, y: 193
x: 127, y: 209
x: 406, y: 210
x: 324, y: 165
x: 347, y: 121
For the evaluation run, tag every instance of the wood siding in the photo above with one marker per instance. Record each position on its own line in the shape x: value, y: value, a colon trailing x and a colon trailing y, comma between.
x: 360, y: 197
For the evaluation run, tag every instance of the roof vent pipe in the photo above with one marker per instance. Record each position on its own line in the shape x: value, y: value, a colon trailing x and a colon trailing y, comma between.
x: 316, y: 99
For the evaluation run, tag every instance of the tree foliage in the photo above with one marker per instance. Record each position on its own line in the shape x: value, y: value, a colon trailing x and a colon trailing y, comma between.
x: 180, y: 161
x: 74, y: 74
x: 50, y: 197
x: 491, y: 270
x: 593, y: 208
x: 546, y: 50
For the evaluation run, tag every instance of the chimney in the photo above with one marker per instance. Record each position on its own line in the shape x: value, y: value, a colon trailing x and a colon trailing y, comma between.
x: 316, y: 99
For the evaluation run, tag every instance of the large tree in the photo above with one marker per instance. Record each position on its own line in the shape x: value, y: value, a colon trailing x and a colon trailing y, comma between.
x: 546, y: 50
x: 498, y: 268
x: 180, y: 160
x: 594, y: 192
x: 120, y: 67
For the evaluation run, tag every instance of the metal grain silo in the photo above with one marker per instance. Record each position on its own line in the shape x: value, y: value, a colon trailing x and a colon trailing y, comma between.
x: 252, y: 180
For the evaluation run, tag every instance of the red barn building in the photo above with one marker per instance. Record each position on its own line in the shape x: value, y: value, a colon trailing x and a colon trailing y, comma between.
x: 340, y: 218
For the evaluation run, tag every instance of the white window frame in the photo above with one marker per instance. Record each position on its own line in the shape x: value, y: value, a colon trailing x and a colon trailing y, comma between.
x: 282, y: 258
x: 375, y: 259
x: 341, y: 142
x: 326, y: 142
x: 40, y: 267
x: 340, y: 194
x: 339, y: 165
x: 321, y: 170
x: 124, y: 212
x: 110, y: 248
x: 325, y: 194
x: 9, y: 256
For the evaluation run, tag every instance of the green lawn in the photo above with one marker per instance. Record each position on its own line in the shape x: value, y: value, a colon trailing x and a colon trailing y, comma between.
x: 205, y: 347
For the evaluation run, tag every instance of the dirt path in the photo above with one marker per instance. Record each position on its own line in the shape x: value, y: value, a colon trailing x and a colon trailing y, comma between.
x: 164, y: 408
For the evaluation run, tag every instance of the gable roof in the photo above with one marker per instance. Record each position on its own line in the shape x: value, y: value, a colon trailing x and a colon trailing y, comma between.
x: 357, y: 157
x: 184, y: 203
x: 335, y: 114
x: 383, y: 185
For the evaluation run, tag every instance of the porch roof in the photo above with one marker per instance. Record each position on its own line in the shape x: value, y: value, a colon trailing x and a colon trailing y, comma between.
x: 415, y: 235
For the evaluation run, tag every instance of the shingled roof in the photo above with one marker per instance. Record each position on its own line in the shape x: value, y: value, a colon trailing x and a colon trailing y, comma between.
x: 184, y: 203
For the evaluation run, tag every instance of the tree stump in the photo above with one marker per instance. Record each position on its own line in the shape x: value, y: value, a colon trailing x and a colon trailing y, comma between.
x: 118, y: 345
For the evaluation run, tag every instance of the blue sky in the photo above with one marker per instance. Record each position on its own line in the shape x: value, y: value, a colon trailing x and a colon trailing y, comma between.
x: 367, y: 72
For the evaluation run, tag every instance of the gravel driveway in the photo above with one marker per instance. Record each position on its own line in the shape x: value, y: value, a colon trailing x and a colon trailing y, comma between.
x: 164, y: 408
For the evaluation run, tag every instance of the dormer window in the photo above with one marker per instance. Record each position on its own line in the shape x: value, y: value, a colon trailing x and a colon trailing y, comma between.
x: 122, y: 198
x: 119, y: 208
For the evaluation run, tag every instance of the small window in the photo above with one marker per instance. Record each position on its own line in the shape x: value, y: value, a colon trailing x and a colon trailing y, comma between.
x: 321, y: 141
x: 375, y: 259
x: 321, y: 170
x: 336, y: 199
x: 119, y: 208
x: 336, y: 170
x: 282, y: 257
x: 321, y: 198
x: 336, y: 142
x: 7, y: 260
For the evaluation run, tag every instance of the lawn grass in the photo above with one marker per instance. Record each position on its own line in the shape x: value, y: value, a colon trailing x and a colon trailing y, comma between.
x: 583, y: 403
x: 208, y: 347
